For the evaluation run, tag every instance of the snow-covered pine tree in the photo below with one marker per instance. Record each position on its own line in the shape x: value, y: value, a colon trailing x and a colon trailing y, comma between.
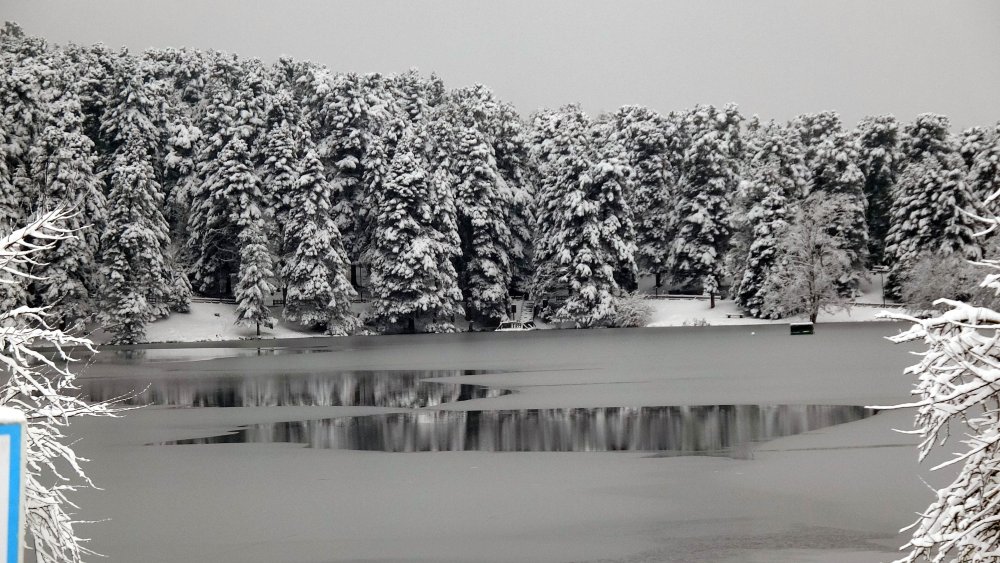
x: 11, y: 200
x: 211, y: 240
x: 12, y: 206
x: 835, y: 173
x: 281, y: 149
x: 646, y: 137
x: 500, y: 126
x: 134, y: 113
x: 137, y: 284
x: 776, y: 178
x: 206, y: 218
x: 414, y: 285
x: 412, y: 94
x: 485, y: 236
x: 984, y: 175
x: 339, y: 111
x: 972, y: 141
x: 26, y: 112
x: 95, y: 69
x: 928, y: 201
x: 315, y: 265
x: 813, y: 129
x: 144, y: 278
x: 595, y: 243
x: 765, y: 262
x: 239, y: 188
x: 62, y: 165
x: 387, y: 127
x: 880, y: 160
x: 707, y: 183
x: 559, y: 151
x: 253, y: 284
x: 181, y: 141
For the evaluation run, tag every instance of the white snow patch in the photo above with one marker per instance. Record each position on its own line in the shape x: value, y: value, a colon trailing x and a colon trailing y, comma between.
x: 209, y: 322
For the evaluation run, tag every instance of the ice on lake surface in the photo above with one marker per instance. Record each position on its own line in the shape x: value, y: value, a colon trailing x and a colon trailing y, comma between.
x: 689, y: 430
x: 684, y: 430
x: 833, y: 495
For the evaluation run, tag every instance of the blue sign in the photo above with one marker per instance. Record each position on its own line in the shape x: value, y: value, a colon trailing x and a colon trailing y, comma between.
x: 11, y: 491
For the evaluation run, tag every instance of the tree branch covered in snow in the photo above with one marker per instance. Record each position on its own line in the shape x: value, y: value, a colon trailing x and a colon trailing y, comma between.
x: 958, y: 386
x: 41, y: 385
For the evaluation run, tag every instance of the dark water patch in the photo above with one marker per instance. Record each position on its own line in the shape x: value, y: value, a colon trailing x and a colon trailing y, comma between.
x: 725, y: 430
x: 393, y: 389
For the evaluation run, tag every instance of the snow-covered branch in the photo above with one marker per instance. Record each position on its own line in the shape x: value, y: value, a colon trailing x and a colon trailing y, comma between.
x: 958, y: 386
x: 36, y: 359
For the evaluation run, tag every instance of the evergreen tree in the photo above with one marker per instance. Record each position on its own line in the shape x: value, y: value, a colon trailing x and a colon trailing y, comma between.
x: 880, y: 161
x: 835, y: 173
x: 500, y: 128
x: 776, y: 178
x: 342, y: 127
x: 315, y: 262
x: 971, y: 142
x: 646, y: 137
x: 414, y: 285
x: 62, y: 167
x: 137, y: 283
x: 585, y: 242
x: 595, y: 243
x: 813, y: 129
x: 984, y: 176
x: 254, y: 282
x: 707, y: 183
x: 483, y: 230
x: 134, y: 114
x: 239, y: 185
x: 765, y: 263
x: 211, y: 237
x: 560, y: 141
x: 929, y: 200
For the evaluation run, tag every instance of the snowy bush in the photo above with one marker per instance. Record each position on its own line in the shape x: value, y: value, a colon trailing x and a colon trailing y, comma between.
x: 934, y: 276
x: 696, y: 322
x: 632, y: 310
x: 42, y: 387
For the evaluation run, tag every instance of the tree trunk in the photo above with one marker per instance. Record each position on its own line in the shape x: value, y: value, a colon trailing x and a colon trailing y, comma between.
x: 711, y: 299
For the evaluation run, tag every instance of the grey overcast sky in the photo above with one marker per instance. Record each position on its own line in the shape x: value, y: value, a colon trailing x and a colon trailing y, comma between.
x: 776, y: 58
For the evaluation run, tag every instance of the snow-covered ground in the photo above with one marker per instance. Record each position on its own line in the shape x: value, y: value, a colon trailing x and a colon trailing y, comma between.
x: 209, y: 322
x: 689, y: 312
x: 213, y: 322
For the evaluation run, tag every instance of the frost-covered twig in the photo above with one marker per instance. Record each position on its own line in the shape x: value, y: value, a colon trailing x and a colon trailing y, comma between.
x: 42, y: 386
x: 958, y: 384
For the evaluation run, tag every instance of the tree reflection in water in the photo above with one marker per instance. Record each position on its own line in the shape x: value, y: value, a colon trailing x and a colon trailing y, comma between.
x: 393, y: 389
x: 714, y: 430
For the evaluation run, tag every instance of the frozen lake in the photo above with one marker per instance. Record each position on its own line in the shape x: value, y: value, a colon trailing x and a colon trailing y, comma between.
x: 546, y: 446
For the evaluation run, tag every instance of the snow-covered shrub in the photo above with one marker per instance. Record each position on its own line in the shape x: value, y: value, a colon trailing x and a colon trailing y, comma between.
x: 934, y: 276
x: 696, y: 322
x: 40, y: 384
x: 632, y: 310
